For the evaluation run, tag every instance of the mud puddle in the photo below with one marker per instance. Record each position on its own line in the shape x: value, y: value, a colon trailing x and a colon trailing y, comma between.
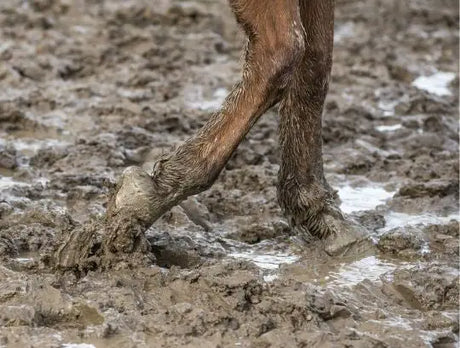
x: 437, y: 83
x: 265, y: 261
x: 362, y: 198
x: 269, y: 263
x: 394, y: 219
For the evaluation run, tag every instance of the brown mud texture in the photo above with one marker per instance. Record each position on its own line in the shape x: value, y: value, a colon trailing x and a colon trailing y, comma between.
x: 90, y: 87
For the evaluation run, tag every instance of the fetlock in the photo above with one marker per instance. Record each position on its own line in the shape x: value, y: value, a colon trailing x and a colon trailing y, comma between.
x: 314, y: 216
x: 305, y: 206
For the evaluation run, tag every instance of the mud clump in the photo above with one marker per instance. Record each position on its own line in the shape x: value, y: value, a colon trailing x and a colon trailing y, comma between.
x: 404, y: 241
x: 433, y: 188
x: 8, y: 157
x: 444, y: 239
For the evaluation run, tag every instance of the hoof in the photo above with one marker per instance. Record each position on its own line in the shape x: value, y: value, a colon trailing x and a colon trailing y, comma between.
x: 132, y: 209
x: 340, y: 235
x: 134, y: 195
x: 316, y: 226
x: 104, y: 243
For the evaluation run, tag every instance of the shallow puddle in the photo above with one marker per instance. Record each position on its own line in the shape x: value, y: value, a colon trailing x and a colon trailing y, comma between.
x: 29, y: 141
x: 23, y: 259
x: 269, y: 263
x: 29, y: 147
x: 265, y: 261
x: 435, y: 84
x: 362, y: 198
x: 27, y: 256
x: 370, y: 267
x: 49, y: 130
x: 394, y: 219
x: 390, y: 128
x: 7, y: 182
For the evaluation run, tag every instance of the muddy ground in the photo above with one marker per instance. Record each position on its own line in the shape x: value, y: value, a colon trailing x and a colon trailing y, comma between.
x: 90, y: 87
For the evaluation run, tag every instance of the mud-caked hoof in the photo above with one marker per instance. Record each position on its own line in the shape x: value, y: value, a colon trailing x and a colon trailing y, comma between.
x: 97, y: 243
x: 132, y: 209
x: 134, y: 195
x: 338, y: 234
x: 314, y: 224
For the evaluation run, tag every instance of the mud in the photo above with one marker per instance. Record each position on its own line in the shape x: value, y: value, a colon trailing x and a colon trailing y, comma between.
x: 88, y: 88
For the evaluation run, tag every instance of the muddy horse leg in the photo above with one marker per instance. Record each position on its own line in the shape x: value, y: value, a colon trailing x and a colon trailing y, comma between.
x: 275, y: 43
x: 303, y: 193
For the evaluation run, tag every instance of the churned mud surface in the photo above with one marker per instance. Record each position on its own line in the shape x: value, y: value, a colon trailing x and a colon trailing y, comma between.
x: 88, y: 88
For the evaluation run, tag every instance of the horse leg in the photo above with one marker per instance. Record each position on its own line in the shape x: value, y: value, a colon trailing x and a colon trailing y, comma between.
x: 275, y: 44
x: 303, y: 193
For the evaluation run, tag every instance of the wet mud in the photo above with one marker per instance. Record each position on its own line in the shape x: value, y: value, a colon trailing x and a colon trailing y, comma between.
x: 90, y: 87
